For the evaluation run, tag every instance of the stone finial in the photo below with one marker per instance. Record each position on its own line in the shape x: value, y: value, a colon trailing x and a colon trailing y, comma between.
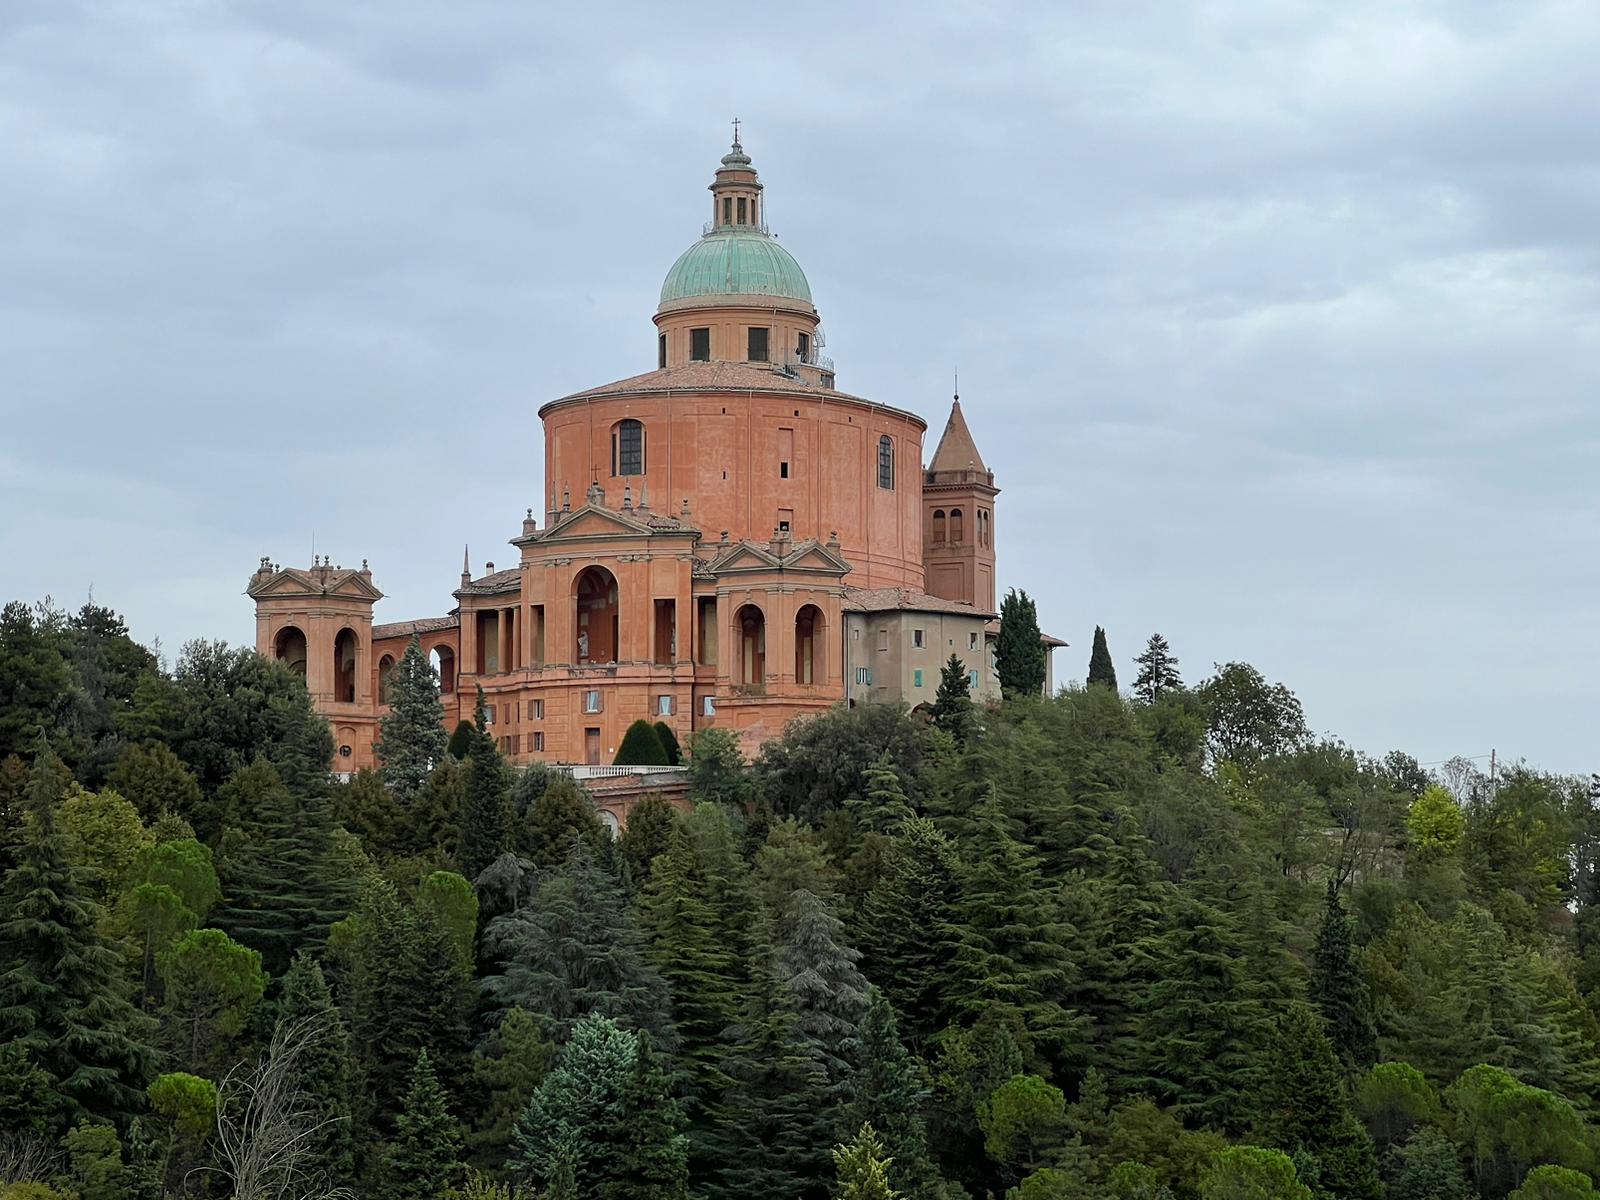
x: 644, y: 505
x: 724, y: 537
x: 627, y: 497
x: 466, y: 565
x: 488, y: 568
x: 566, y: 499
x: 529, y: 525
x: 686, y: 506
x: 833, y: 539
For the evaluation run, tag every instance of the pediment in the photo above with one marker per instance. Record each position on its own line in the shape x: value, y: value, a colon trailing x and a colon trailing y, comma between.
x: 592, y: 521
x: 809, y: 556
x: 291, y: 583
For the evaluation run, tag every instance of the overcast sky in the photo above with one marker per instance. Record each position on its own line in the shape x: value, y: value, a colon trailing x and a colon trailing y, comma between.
x: 1279, y: 323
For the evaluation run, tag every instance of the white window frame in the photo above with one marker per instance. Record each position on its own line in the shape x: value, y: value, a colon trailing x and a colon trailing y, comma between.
x: 593, y: 702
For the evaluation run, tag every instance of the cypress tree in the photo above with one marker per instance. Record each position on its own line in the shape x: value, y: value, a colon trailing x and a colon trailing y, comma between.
x: 648, y: 835
x: 284, y: 889
x: 1020, y: 657
x: 1158, y: 670
x: 1101, y: 668
x: 669, y: 743
x: 641, y: 747
x: 326, y: 1068
x: 888, y: 1091
x: 411, y: 737
x: 424, y: 1156
x: 1339, y: 988
x: 952, y: 705
x: 61, y: 999
x: 485, y: 799
x: 1305, y: 1109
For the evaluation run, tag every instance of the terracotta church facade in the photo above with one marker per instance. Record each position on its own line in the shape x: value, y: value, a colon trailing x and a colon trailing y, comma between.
x: 726, y: 540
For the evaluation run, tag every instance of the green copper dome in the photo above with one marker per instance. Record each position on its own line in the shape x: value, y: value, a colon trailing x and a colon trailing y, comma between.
x: 735, y: 261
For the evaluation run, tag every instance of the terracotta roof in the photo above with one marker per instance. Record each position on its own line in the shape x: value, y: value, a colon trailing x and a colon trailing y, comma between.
x: 407, y: 628
x: 957, y: 451
x: 493, y: 585
x: 901, y: 599
x: 993, y: 627
x: 723, y: 376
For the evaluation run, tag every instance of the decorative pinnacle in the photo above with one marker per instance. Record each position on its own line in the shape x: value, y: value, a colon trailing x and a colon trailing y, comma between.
x: 736, y: 145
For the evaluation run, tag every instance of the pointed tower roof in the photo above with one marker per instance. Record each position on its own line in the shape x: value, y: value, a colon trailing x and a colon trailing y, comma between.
x: 957, y: 451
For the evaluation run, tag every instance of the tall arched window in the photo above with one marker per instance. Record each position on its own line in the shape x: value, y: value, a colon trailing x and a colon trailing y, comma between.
x: 938, y: 525
x: 597, y: 613
x: 444, y: 662
x: 983, y: 527
x: 808, y: 645
x: 886, y: 462
x: 627, y: 448
x: 344, y: 667
x: 290, y: 647
x: 752, y: 646
x: 385, y: 671
x: 955, y: 526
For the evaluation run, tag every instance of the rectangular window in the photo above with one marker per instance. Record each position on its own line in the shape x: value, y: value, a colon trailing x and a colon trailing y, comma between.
x: 972, y: 681
x: 803, y: 349
x: 883, y: 639
x: 863, y: 675
x: 538, y: 710
x: 885, y: 461
x: 757, y: 345
x: 664, y: 706
x: 785, y: 451
x: 916, y: 678
x: 972, y: 641
x: 741, y: 210
x: 538, y: 743
x: 700, y: 345
x: 591, y: 702
x: 666, y: 640
x: 783, y: 470
x: 707, y: 631
x: 916, y: 638
x: 661, y: 350
x: 727, y: 210
x: 708, y: 706
x: 488, y: 715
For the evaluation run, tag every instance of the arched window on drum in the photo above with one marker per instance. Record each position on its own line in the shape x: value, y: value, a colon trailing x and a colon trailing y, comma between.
x: 627, y: 448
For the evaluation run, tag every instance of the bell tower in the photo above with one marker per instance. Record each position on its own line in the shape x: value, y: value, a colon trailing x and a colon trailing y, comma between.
x: 958, y: 494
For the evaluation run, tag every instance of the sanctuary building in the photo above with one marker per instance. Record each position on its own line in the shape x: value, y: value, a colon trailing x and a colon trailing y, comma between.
x: 726, y: 540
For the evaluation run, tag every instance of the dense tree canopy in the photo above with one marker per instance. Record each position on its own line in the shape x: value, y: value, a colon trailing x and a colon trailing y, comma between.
x: 1168, y: 947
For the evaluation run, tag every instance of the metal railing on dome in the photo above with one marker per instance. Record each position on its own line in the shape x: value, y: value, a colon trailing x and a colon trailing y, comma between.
x: 711, y: 227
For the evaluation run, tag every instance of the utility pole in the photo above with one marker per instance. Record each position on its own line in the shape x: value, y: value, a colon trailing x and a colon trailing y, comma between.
x: 1493, y: 783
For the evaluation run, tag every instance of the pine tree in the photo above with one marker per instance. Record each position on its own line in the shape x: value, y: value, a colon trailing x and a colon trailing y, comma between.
x: 888, y: 1091
x: 884, y: 805
x: 512, y: 1063
x: 1304, y: 1109
x: 815, y: 968
x: 669, y: 743
x: 155, y: 781
x: 461, y: 740
x: 863, y: 1170
x: 555, y: 819
x: 1339, y: 988
x: 61, y: 999
x: 1020, y: 656
x: 704, y: 974
x: 485, y: 801
x: 424, y: 1156
x: 433, y: 825
x: 908, y: 924
x: 326, y: 1067
x: 652, y: 1153
x: 411, y: 737
x: 1009, y: 944
x: 574, y: 950
x: 641, y: 747
x: 1101, y: 668
x: 1158, y: 670
x: 284, y: 889
x: 1198, y: 1028
x: 952, y: 705
x: 774, y: 1122
x: 573, y: 1136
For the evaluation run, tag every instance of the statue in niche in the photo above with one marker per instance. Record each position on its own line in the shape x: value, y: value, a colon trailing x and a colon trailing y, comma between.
x: 583, y: 645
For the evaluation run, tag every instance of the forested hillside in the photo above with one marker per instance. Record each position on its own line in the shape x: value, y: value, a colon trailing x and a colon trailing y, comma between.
x: 1162, y: 944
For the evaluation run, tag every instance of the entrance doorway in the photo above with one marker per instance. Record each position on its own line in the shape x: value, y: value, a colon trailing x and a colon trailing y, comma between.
x: 591, y: 747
